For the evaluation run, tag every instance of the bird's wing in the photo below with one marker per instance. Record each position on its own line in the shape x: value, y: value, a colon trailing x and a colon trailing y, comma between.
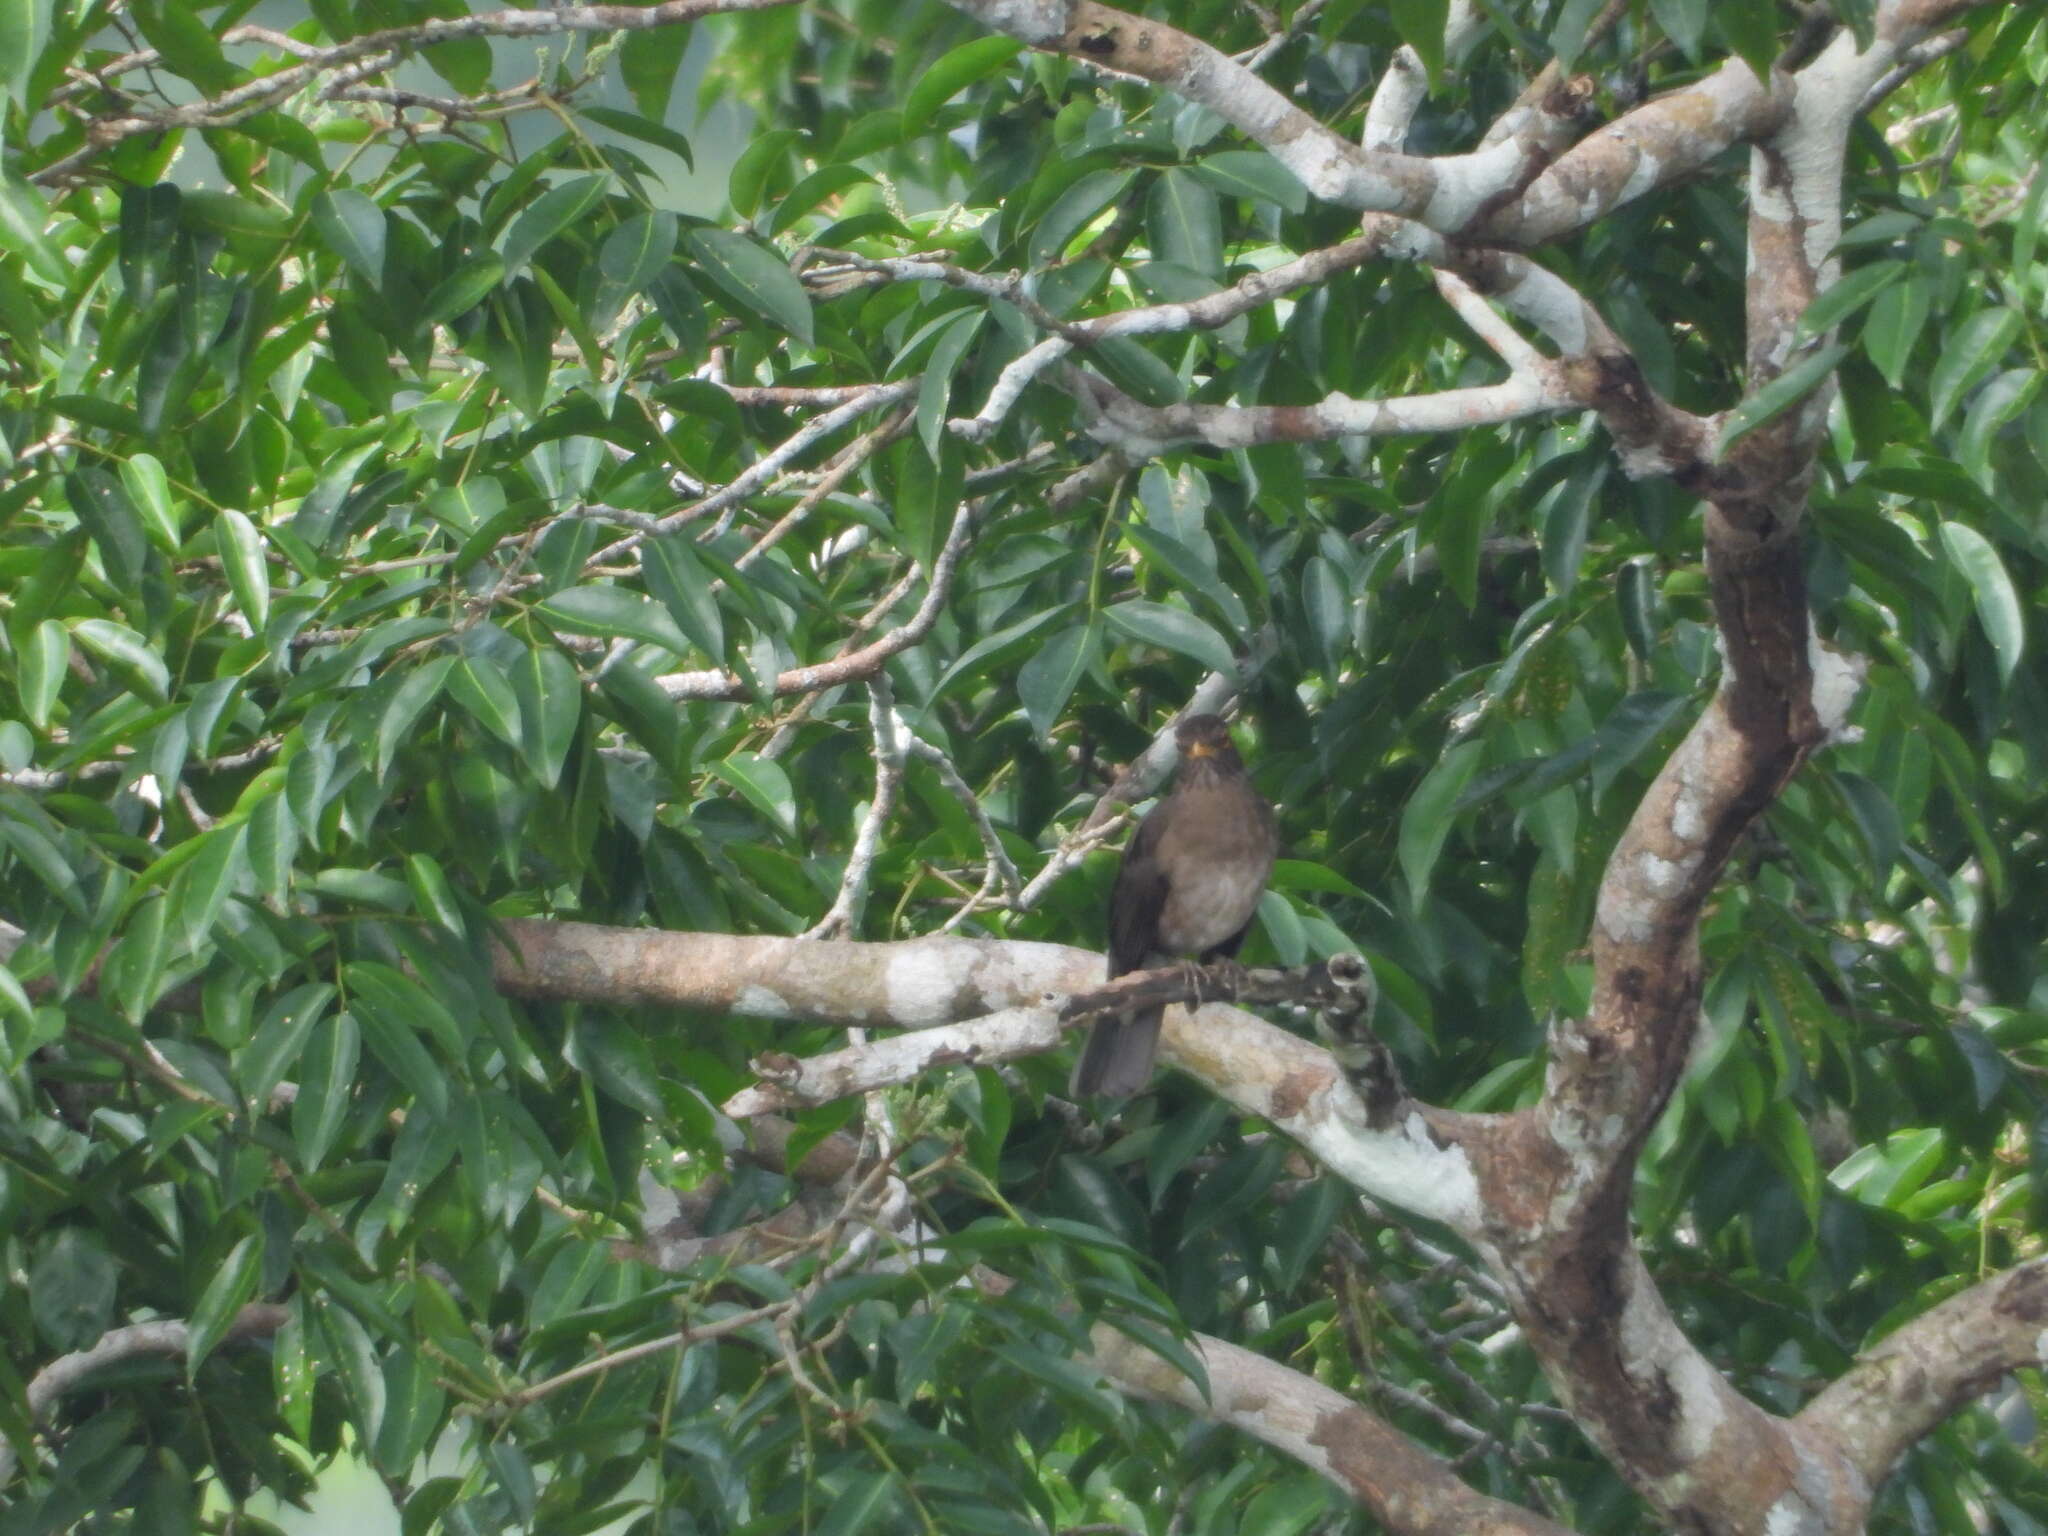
x: 1137, y: 900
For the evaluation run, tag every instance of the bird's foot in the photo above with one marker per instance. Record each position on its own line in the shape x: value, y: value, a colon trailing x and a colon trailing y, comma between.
x: 1227, y: 973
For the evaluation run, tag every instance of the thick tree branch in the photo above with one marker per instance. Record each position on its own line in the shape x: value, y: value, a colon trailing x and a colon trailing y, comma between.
x: 1664, y: 139
x: 910, y: 985
x: 1916, y: 1376
x: 1411, y: 1492
x: 1409, y: 1155
x: 799, y: 1082
x: 1146, y: 431
x: 1445, y: 192
x: 791, y: 1082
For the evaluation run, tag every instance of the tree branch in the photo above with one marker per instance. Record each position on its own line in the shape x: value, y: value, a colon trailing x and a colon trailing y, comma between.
x: 853, y: 666
x: 1146, y: 431
x: 1410, y: 1491
x: 1447, y: 192
x: 163, y: 1336
x: 1916, y: 1376
x: 381, y: 49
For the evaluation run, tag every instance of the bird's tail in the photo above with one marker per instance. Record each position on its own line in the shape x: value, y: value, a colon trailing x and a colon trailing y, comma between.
x: 1117, y: 1060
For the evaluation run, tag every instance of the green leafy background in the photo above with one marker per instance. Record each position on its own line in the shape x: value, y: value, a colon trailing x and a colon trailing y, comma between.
x: 322, y: 653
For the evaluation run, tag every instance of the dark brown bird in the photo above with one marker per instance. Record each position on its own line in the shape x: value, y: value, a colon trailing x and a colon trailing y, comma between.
x: 1190, y: 882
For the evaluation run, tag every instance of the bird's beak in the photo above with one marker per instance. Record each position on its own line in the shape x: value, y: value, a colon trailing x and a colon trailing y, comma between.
x: 1202, y: 749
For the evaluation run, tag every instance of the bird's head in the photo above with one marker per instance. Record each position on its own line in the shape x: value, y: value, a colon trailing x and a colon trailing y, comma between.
x: 1201, y: 736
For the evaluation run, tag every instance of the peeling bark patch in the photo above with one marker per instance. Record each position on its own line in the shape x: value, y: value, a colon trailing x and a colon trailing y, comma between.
x: 2025, y: 1297
x: 1406, y: 1164
x: 1804, y: 1509
x: 1683, y: 1387
x: 760, y: 1002
x: 919, y: 986
x: 1793, y: 1516
x: 1292, y: 1094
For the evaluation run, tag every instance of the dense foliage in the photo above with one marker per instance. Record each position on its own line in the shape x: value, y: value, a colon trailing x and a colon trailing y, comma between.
x: 373, y: 456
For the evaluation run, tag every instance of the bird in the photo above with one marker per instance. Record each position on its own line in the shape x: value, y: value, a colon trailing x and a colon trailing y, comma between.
x: 1188, y: 887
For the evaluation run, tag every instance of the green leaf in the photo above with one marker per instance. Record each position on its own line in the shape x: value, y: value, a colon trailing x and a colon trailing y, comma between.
x: 46, y: 860
x: 1635, y: 594
x: 615, y: 1058
x: 71, y: 1289
x: 393, y: 1040
x: 927, y: 495
x: 1847, y: 294
x: 24, y: 225
x: 951, y: 74
x: 1420, y: 24
x: 2001, y: 399
x: 408, y: 700
x: 825, y: 182
x: 649, y: 59
x: 677, y: 577
x: 935, y: 389
x: 149, y: 491
x: 1172, y: 629
x: 45, y: 658
x: 554, y: 211
x: 127, y: 653
x: 1568, y: 32
x: 1254, y: 174
x: 414, y: 1405
x: 134, y: 972
x: 763, y: 784
x: 1426, y: 819
x: 1047, y: 680
x: 481, y: 688
x: 24, y: 31
x: 856, y: 1505
x: 1073, y: 211
x: 755, y: 277
x: 765, y: 160
x: 148, y: 239
x: 1750, y: 28
x: 203, y: 886
x: 273, y: 1049
x: 431, y: 893
x: 1975, y: 349
x: 1780, y: 395
x: 613, y: 613
x: 228, y: 1290
x: 631, y: 256
x: 1998, y: 602
x: 550, y: 692
x: 353, y: 228
x: 1186, y: 223
x: 644, y: 129
x: 240, y: 548
x: 327, y: 1080
x: 104, y: 512
x: 273, y: 843
x: 186, y: 43
x: 1135, y: 370
x: 463, y: 289
x: 1328, y: 613
x: 1897, y: 317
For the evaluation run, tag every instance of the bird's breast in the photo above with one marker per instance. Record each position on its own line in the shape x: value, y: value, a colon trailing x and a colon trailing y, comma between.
x: 1210, y: 901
